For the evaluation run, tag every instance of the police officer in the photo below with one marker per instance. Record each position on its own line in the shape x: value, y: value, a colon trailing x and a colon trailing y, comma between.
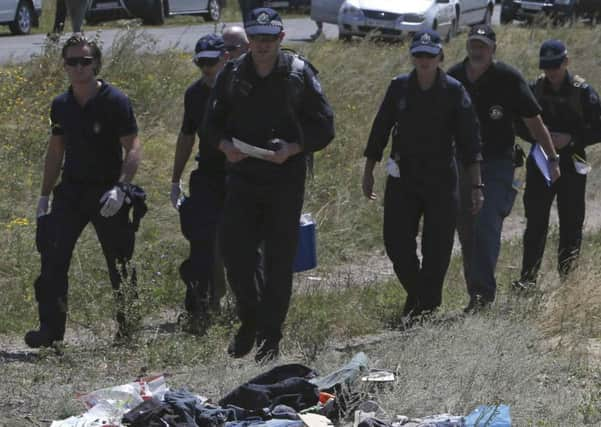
x: 202, y: 271
x: 572, y: 113
x: 268, y: 99
x: 94, y: 131
x: 430, y: 115
x: 500, y: 94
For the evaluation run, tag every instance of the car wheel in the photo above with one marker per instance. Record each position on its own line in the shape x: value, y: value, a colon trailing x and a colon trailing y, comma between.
x: 156, y: 14
x: 345, y: 37
x: 506, y: 17
x: 23, y: 19
x: 214, y: 11
x: 452, y: 31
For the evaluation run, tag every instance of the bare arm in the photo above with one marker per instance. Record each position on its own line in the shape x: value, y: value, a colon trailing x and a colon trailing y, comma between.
x: 133, y: 155
x: 183, y: 150
x: 53, y: 163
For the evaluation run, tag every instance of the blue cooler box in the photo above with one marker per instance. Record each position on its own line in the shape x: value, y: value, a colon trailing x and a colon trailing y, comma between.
x: 306, y: 251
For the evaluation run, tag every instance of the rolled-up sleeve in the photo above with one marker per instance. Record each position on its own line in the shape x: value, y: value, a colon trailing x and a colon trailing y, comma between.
x: 383, y: 123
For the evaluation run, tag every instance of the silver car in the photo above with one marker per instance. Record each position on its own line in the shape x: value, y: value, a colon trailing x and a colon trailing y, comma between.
x: 395, y: 18
x: 152, y: 12
x: 20, y: 15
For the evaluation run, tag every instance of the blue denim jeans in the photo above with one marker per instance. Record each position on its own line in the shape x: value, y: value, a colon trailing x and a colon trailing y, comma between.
x: 480, y: 235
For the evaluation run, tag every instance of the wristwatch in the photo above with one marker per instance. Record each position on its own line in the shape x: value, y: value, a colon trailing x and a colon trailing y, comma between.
x: 553, y: 159
x: 478, y: 186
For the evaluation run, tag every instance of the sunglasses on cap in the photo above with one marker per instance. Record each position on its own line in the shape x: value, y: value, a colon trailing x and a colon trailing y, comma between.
x: 84, y: 61
x: 206, y: 62
x: 423, y: 55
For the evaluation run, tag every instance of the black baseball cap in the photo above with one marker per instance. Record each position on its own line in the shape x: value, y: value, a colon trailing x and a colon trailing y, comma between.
x: 484, y: 33
x: 552, y: 54
x: 209, y: 46
x: 427, y: 41
x: 263, y: 20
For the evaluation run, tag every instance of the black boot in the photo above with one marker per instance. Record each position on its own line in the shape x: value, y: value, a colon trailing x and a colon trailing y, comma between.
x: 44, y: 337
x: 53, y: 318
x: 244, y: 340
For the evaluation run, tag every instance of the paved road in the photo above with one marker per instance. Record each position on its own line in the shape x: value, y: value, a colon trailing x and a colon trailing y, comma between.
x: 20, y: 48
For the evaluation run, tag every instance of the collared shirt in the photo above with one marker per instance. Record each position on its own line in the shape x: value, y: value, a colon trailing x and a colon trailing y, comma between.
x: 500, y: 96
x: 256, y: 109
x: 210, y: 159
x: 427, y: 124
x: 91, y: 134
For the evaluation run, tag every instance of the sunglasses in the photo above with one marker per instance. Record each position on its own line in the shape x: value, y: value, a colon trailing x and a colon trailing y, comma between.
x: 206, y: 62
x: 423, y: 55
x: 84, y: 61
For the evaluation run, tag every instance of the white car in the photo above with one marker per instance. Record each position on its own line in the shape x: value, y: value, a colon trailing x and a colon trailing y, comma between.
x: 395, y: 18
x: 20, y: 15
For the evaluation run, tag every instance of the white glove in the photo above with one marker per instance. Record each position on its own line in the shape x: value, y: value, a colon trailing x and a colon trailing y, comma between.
x: 175, y: 196
x: 113, y: 200
x: 43, y: 205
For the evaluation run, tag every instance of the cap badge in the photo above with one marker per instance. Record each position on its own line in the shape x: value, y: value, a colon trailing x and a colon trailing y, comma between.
x: 425, y: 38
x: 263, y: 18
x: 481, y: 31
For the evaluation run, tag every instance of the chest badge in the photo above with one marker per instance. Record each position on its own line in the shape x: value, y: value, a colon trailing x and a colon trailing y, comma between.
x: 495, y: 112
x: 96, y: 128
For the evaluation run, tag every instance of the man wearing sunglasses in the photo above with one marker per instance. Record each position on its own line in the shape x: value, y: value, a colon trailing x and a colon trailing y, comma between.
x: 430, y: 116
x: 202, y: 271
x: 235, y: 40
x: 501, y: 96
x: 94, y: 139
x: 268, y: 99
x: 572, y: 112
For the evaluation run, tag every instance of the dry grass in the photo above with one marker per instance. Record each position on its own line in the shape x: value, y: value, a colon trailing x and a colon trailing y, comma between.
x: 526, y: 352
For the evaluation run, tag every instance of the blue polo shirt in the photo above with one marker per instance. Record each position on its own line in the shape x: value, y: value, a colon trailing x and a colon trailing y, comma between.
x: 93, y: 151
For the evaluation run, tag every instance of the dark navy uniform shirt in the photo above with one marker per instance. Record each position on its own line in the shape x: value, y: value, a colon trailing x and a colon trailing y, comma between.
x: 426, y: 125
x: 574, y: 109
x: 560, y: 116
x: 500, y: 96
x: 257, y: 109
x: 91, y: 134
x: 210, y: 159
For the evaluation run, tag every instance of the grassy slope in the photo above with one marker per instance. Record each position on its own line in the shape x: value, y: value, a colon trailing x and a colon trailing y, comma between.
x: 529, y: 353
